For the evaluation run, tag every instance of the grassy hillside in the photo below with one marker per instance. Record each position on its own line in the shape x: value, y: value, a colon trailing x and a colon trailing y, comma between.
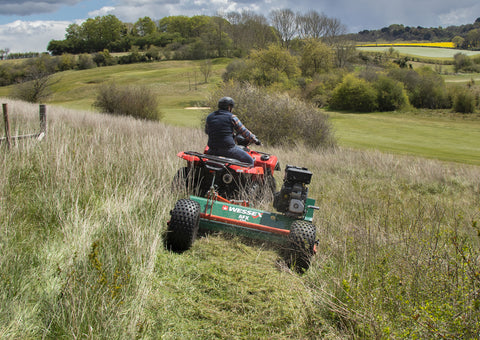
x: 82, y: 215
x: 179, y: 84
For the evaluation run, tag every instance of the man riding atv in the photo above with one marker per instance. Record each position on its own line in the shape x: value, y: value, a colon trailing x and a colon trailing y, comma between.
x: 220, y: 127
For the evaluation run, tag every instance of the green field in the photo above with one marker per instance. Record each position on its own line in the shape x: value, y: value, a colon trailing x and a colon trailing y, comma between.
x: 179, y: 86
x: 446, y: 138
x: 430, y: 52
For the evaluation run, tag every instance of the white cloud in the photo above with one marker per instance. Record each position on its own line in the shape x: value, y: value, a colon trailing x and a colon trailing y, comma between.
x: 31, y: 36
x: 102, y: 11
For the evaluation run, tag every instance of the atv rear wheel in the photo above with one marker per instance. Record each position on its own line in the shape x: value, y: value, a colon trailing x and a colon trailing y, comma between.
x: 183, y: 226
x: 301, y: 245
x: 188, y: 181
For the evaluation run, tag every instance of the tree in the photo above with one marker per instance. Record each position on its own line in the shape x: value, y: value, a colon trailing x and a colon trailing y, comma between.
x: 4, y: 53
x: 312, y: 24
x: 102, y: 32
x: 284, y: 21
x: 249, y: 31
x: 35, y: 86
x: 93, y: 35
x: 473, y: 38
x: 458, y: 41
x: 273, y: 65
x: 206, y: 69
x: 334, y: 28
x: 144, y: 26
x: 176, y: 24
x: 316, y: 57
x: 344, y: 51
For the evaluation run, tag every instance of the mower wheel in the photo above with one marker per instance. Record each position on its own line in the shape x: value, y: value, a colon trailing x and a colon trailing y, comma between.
x: 302, y: 245
x: 183, y: 226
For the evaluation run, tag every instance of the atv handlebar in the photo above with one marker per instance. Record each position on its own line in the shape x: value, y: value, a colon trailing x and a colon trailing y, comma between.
x: 240, y: 140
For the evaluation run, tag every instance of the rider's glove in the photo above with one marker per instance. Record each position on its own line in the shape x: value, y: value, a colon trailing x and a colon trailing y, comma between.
x: 257, y: 142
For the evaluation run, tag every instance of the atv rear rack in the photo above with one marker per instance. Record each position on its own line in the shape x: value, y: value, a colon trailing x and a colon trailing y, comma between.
x: 217, y: 159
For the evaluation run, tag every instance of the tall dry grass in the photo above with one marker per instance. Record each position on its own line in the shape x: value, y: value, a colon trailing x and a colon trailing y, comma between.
x: 399, y: 252
x: 82, y: 214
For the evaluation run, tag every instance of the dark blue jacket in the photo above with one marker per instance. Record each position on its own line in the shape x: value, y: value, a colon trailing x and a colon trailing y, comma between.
x: 220, y: 127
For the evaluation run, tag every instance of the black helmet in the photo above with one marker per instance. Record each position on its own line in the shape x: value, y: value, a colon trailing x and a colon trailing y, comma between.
x: 225, y: 102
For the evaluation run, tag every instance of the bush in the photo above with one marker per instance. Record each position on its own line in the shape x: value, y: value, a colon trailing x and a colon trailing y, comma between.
x: 35, y: 86
x: 425, y: 88
x: 354, y: 94
x: 85, y: 62
x: 136, y: 101
x: 275, y: 118
x: 319, y: 89
x: 464, y: 101
x: 391, y: 95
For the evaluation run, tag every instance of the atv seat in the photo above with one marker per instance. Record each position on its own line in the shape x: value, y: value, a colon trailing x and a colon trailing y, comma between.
x: 218, y: 159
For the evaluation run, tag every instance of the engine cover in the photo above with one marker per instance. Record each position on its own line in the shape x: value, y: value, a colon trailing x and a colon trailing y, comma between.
x: 292, y: 197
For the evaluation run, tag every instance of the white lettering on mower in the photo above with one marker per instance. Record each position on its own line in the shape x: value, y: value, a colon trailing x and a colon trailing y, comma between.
x: 244, y: 213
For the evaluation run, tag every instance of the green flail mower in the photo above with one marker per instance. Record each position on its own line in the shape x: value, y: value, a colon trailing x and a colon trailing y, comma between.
x: 292, y: 227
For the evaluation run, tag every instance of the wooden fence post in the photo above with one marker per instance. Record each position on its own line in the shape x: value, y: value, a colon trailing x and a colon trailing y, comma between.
x: 7, y: 124
x: 43, y: 118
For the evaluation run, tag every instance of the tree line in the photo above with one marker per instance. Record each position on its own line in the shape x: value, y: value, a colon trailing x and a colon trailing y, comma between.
x: 464, y: 36
x: 233, y: 34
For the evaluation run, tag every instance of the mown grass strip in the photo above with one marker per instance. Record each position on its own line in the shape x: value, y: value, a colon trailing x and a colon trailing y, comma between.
x: 448, y: 139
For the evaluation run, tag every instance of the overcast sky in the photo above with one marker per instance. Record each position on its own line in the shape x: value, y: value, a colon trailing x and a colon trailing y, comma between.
x: 28, y: 25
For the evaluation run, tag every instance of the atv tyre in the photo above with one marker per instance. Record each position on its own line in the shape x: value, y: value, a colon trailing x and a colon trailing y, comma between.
x: 183, y: 225
x: 302, y: 240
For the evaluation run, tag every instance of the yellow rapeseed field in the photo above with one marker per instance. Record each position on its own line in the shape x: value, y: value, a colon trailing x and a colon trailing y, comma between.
x: 435, y: 44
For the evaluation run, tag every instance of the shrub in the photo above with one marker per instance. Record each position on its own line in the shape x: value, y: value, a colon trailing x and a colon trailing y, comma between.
x: 391, y: 95
x: 319, y: 89
x: 354, y: 94
x: 425, y: 88
x: 85, y: 62
x: 35, y: 86
x: 275, y: 118
x: 135, y: 101
x: 237, y: 70
x: 273, y: 67
x: 464, y: 100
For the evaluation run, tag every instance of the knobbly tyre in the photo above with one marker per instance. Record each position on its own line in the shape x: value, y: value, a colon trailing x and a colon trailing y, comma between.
x: 291, y: 227
x: 231, y: 178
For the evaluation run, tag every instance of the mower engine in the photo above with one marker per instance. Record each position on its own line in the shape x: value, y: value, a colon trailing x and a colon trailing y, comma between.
x: 292, y: 197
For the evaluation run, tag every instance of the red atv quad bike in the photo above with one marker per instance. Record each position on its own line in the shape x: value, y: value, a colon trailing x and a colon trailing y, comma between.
x: 231, y: 178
